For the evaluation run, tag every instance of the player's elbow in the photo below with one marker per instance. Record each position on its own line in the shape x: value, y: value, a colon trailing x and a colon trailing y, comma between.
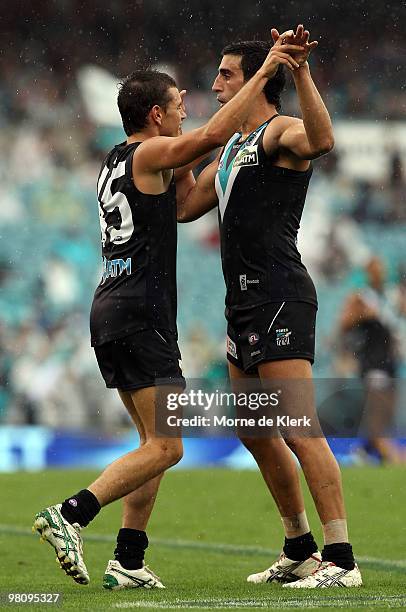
x: 324, y: 146
x: 328, y: 145
x: 182, y: 217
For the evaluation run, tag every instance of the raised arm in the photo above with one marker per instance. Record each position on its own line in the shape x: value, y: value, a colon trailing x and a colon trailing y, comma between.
x: 201, y: 198
x: 313, y: 135
x: 161, y: 152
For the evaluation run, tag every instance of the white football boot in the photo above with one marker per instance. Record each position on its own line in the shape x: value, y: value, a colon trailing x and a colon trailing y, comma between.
x: 117, y: 577
x: 65, y: 540
x: 286, y: 570
x: 329, y: 575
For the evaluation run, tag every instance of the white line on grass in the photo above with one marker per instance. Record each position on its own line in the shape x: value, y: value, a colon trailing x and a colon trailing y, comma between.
x: 217, y: 547
x: 394, y: 601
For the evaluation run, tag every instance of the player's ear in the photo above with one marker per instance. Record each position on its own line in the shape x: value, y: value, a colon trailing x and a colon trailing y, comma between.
x: 156, y: 114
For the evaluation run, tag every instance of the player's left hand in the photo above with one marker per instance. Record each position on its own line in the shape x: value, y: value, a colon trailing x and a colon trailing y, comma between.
x: 299, y: 38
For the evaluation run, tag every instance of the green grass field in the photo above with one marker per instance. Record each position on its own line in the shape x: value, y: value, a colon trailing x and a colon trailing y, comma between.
x: 209, y: 530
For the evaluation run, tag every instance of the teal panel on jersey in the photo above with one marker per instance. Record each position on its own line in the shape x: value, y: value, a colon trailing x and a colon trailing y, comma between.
x: 224, y: 168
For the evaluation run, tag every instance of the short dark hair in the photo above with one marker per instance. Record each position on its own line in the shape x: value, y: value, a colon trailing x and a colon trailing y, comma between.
x: 253, y: 54
x: 138, y: 93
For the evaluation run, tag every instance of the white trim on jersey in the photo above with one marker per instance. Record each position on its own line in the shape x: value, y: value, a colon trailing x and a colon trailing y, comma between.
x: 224, y: 197
x: 101, y: 180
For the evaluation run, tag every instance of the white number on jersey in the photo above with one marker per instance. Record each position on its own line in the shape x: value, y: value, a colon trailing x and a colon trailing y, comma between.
x: 110, y: 203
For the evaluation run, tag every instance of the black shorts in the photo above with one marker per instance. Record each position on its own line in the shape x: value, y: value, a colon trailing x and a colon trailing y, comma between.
x: 144, y: 359
x: 272, y: 332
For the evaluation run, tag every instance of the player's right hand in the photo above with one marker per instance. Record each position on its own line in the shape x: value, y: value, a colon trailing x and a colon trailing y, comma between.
x: 280, y: 53
x: 300, y: 37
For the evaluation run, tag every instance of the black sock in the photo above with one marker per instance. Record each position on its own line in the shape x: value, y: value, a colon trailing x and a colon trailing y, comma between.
x: 300, y: 548
x: 341, y: 554
x: 80, y: 508
x: 131, y: 546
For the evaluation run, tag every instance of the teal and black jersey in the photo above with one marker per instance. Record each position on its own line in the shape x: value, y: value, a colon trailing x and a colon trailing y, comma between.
x: 260, y: 208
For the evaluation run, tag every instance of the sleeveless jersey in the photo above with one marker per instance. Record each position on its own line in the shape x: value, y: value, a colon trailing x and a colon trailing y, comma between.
x: 260, y: 208
x: 139, y: 238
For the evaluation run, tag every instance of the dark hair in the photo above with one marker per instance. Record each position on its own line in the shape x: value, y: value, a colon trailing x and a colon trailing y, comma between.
x: 138, y: 93
x: 253, y: 54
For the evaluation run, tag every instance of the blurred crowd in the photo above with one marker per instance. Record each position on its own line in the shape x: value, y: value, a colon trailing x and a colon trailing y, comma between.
x: 49, y: 247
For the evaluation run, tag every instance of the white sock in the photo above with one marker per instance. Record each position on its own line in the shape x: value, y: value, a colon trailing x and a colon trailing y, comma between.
x: 295, y: 525
x: 335, y: 532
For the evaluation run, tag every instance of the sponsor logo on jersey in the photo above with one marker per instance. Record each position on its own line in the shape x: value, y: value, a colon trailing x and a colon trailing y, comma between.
x: 244, y: 282
x: 231, y: 348
x: 115, y: 267
x: 283, y: 337
x: 253, y: 338
x: 248, y: 156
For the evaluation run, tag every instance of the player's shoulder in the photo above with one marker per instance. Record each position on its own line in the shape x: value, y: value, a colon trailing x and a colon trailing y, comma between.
x: 275, y: 131
x: 153, y: 149
x: 148, y: 152
x: 281, y: 123
x: 150, y: 143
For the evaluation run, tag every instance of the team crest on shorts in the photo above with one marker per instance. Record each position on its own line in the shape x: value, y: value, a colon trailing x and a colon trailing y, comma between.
x: 253, y: 338
x: 283, y: 337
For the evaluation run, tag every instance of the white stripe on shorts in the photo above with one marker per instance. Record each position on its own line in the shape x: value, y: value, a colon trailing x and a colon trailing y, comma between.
x: 273, y: 320
x: 155, y: 330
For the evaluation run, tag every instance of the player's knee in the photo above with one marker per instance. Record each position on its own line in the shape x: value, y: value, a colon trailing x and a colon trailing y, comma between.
x: 170, y: 451
x: 297, y: 445
x: 176, y: 452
